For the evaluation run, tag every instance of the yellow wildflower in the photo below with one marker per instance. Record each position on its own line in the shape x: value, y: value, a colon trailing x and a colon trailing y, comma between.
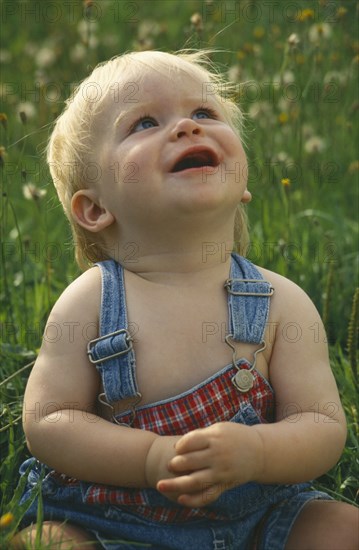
x: 335, y: 57
x: 241, y: 55
x: 283, y: 118
x: 300, y: 59
x: 276, y: 30
x: 353, y: 166
x: 248, y: 47
x: 306, y: 14
x: 285, y: 182
x: 6, y: 520
x: 3, y: 120
x: 259, y: 32
x: 341, y: 11
x: 2, y: 155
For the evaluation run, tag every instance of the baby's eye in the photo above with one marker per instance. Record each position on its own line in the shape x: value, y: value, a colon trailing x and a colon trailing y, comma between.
x: 143, y: 123
x: 205, y: 112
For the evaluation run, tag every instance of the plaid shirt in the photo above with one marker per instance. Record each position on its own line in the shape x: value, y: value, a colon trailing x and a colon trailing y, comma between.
x: 214, y: 401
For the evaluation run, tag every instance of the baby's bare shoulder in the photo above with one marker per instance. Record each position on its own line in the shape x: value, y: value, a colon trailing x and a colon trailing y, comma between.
x: 62, y: 372
x: 288, y: 296
x: 82, y: 297
x: 74, y: 318
x: 281, y: 282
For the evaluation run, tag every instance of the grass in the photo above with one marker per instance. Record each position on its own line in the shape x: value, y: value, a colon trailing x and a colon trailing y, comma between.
x: 296, y: 72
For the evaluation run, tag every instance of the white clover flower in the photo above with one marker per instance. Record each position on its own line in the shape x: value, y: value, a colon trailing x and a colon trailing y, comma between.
x: 41, y: 77
x: 5, y: 56
x: 78, y: 53
x: 314, y: 144
x: 335, y: 76
x: 52, y: 94
x: 196, y: 21
x: 26, y: 107
x: 110, y: 40
x: 257, y: 50
x: 283, y: 158
x: 234, y: 73
x: 87, y: 31
x: 31, y: 192
x: 293, y: 40
x: 143, y: 45
x: 45, y: 57
x: 319, y: 31
x: 307, y: 130
x: 14, y: 233
x: 288, y: 77
x: 260, y: 108
x: 262, y: 111
x: 147, y: 28
x: 86, y: 28
x: 93, y: 42
x: 284, y: 104
x: 18, y: 278
x: 30, y: 49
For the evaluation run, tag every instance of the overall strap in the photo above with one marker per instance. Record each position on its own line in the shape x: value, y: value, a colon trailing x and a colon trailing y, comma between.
x: 248, y: 301
x: 112, y: 352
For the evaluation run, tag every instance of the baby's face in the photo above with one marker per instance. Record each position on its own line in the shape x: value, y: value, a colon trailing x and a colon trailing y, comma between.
x: 166, y: 149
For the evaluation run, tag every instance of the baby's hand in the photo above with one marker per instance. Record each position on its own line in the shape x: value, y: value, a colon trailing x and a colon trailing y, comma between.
x: 157, y: 462
x: 211, y: 460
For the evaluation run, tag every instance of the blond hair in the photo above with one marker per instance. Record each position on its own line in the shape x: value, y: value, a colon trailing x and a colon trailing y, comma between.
x: 71, y: 145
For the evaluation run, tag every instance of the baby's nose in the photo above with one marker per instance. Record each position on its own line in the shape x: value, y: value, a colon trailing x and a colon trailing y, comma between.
x: 186, y: 127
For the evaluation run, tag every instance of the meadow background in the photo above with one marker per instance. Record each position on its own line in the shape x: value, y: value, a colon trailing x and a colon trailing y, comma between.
x: 296, y: 66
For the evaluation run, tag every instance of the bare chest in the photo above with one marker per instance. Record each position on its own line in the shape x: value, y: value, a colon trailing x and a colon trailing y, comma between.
x: 179, y: 341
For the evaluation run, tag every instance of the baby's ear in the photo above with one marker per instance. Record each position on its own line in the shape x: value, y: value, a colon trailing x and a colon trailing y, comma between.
x: 88, y: 212
x: 247, y: 196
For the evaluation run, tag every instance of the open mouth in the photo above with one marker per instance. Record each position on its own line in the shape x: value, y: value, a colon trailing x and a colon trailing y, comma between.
x: 196, y: 159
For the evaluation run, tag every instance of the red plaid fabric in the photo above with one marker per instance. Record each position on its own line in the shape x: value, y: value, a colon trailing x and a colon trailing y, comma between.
x: 216, y: 400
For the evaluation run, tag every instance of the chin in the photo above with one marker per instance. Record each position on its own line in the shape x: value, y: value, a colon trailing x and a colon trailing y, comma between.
x: 208, y: 204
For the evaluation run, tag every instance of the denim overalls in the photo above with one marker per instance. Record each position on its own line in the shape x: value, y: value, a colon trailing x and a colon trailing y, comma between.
x: 243, y: 518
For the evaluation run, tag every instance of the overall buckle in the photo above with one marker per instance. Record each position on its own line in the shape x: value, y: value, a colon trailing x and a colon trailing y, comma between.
x: 91, y: 344
x: 229, y: 282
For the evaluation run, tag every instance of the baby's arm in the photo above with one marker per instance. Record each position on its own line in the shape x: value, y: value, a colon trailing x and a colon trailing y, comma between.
x: 61, y: 425
x: 310, y: 430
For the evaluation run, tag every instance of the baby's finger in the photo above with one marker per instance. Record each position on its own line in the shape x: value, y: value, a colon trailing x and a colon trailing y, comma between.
x: 184, y: 484
x: 189, y: 462
x: 193, y: 441
x: 173, y: 485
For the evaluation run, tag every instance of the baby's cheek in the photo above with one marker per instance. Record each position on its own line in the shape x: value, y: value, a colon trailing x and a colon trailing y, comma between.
x: 234, y: 145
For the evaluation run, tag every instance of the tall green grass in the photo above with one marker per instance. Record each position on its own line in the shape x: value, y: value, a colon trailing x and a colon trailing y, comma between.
x: 296, y: 73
